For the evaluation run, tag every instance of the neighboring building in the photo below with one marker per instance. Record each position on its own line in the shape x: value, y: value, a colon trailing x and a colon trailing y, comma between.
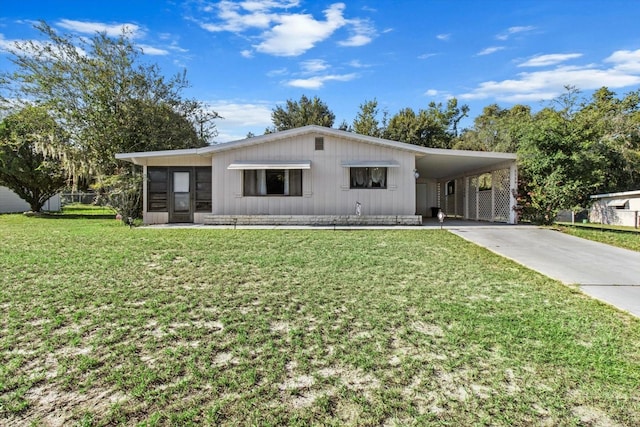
x: 616, y: 208
x: 10, y: 202
x: 319, y: 175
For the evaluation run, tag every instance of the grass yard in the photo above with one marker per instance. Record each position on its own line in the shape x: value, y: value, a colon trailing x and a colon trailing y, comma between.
x: 106, y: 325
x: 627, y: 240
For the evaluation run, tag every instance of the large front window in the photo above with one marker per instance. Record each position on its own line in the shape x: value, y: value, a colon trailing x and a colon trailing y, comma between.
x: 374, y: 177
x: 272, y: 182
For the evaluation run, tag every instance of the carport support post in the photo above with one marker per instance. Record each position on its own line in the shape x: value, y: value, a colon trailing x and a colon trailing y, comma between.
x: 465, y: 197
x: 513, y: 187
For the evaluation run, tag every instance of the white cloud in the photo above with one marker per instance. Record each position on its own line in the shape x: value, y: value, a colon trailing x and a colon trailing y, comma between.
x: 7, y: 45
x: 240, y: 118
x: 356, y: 40
x: 514, y: 30
x: 150, y: 50
x: 235, y: 21
x: 625, y: 60
x: 314, y: 65
x: 112, y: 30
x: 30, y: 47
x: 490, y: 50
x: 175, y: 47
x: 362, y: 33
x: 247, y: 53
x: 317, y: 82
x: 356, y: 63
x: 434, y: 93
x: 278, y: 72
x: 282, y: 33
x: 549, y: 59
x: 427, y: 55
x: 548, y: 84
x: 443, y: 37
x: 134, y: 31
x: 297, y: 33
x: 261, y: 5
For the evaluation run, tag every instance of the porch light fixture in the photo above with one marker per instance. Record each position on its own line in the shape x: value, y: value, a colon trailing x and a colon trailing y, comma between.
x: 440, y: 218
x: 416, y: 175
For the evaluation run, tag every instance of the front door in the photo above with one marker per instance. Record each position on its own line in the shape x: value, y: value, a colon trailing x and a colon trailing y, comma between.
x: 181, y: 205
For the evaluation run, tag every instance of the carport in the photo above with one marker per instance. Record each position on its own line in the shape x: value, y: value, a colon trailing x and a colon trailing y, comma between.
x: 472, y: 185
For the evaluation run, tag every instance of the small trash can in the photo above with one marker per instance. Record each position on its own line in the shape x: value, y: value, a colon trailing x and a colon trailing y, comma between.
x: 434, y: 212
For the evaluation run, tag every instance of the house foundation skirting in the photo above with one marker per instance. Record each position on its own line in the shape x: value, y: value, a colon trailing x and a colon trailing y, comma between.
x: 313, y: 220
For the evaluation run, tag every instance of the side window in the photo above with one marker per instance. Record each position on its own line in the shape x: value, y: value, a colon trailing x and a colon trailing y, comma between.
x: 203, y: 189
x: 375, y: 177
x: 157, y: 189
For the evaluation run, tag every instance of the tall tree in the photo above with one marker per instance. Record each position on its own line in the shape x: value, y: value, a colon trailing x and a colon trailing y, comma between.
x: 25, y: 170
x: 614, y: 127
x: 366, y: 121
x: 301, y: 113
x: 436, y: 126
x: 496, y: 129
x: 104, y: 97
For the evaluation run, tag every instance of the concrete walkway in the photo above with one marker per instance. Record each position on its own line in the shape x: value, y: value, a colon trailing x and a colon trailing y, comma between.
x: 602, y: 271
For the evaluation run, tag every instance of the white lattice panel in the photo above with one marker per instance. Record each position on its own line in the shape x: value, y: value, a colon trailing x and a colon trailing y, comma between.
x: 460, y: 197
x: 484, y: 205
x: 502, y: 194
x: 472, y: 191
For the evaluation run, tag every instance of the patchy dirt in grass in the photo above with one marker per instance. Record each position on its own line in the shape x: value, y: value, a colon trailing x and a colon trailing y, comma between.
x: 222, y: 359
x: 299, y: 382
x: 593, y: 417
x: 283, y: 327
x: 52, y: 407
x: 354, y: 379
x: 428, y: 329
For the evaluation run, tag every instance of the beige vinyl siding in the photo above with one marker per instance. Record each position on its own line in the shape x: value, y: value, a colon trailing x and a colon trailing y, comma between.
x: 179, y: 161
x: 325, y: 187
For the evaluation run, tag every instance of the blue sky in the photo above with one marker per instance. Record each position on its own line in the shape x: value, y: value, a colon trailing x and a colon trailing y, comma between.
x: 243, y: 58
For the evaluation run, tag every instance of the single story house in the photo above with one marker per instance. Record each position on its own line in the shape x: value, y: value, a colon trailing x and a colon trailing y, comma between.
x: 10, y: 202
x: 319, y: 175
x: 616, y: 208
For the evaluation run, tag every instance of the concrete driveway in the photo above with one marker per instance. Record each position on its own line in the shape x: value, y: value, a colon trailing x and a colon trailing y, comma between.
x: 604, y: 272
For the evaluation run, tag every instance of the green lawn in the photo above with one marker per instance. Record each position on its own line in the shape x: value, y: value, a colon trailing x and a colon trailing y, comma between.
x: 627, y: 240
x: 79, y: 209
x: 103, y: 325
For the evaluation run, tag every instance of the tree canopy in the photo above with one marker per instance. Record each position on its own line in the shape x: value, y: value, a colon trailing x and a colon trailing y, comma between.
x: 104, y: 98
x: 32, y: 175
x: 436, y: 126
x: 366, y: 121
x: 301, y: 113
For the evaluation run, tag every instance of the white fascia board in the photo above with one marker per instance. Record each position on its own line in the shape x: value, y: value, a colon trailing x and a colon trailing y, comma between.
x: 370, y: 164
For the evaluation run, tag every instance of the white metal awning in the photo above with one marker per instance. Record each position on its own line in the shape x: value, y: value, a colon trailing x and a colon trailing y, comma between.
x: 300, y: 164
x: 371, y: 164
x: 617, y: 203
